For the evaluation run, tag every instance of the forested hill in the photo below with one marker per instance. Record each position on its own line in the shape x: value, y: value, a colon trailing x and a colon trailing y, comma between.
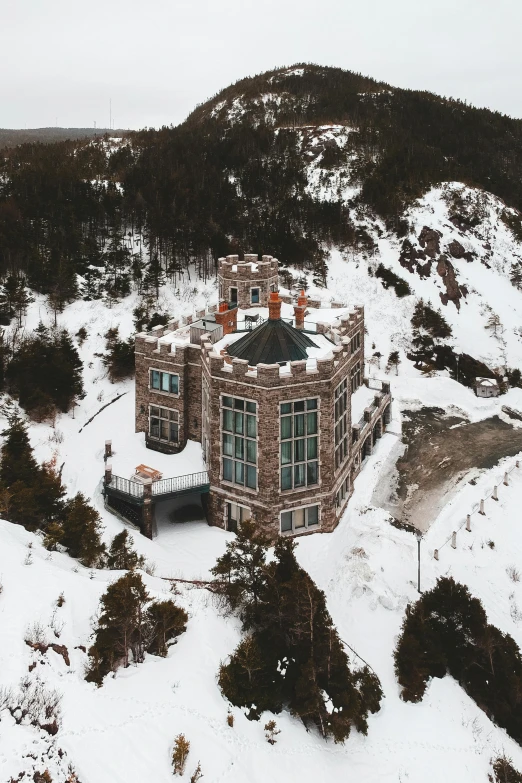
x: 10, y: 137
x: 292, y: 162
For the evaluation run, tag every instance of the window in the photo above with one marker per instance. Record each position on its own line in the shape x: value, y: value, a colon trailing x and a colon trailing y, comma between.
x: 164, y: 382
x: 233, y: 296
x: 341, y: 423
x: 254, y: 295
x: 355, y: 342
x: 342, y: 493
x: 235, y: 514
x: 239, y: 441
x: 356, y: 376
x: 299, y: 519
x: 299, y: 450
x: 163, y: 424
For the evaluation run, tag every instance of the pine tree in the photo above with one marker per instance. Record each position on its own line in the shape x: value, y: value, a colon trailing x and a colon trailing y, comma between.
x: 154, y: 276
x: 165, y: 621
x: 240, y: 572
x: 121, y: 627
x: 122, y: 556
x: 18, y: 462
x: 81, y: 531
x: 21, y: 299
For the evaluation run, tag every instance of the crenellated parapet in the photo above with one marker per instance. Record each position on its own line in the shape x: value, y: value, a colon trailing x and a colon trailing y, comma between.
x: 325, y: 368
x: 247, y: 282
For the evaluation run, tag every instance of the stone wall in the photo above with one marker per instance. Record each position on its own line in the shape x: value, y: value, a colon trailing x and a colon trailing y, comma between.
x: 245, y: 275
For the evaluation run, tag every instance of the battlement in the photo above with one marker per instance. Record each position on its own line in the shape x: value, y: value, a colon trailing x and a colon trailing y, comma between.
x: 231, y: 268
x: 266, y: 375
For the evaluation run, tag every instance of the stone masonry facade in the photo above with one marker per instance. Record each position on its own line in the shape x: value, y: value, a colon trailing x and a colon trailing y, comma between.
x: 208, y: 377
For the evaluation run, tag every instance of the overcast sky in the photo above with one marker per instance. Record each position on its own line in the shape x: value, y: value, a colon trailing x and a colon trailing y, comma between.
x: 61, y: 61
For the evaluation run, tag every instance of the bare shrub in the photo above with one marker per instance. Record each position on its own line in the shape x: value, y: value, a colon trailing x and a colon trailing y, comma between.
x: 513, y: 573
x: 60, y: 600
x: 35, y: 634
x: 197, y: 774
x: 36, y: 704
x: 149, y: 567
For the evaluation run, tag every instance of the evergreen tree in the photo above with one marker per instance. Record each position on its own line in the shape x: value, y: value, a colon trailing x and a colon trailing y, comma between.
x: 18, y: 462
x: 165, y: 621
x: 120, y: 632
x: 240, y: 572
x: 128, y: 628
x: 292, y: 655
x: 81, y: 531
x: 122, y: 556
x: 45, y: 372
x: 35, y: 493
x: 446, y: 631
x: 154, y: 276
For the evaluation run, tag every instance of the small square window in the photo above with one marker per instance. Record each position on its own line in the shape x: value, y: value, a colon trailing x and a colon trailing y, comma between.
x: 286, y: 407
x: 251, y: 407
x: 228, y: 402
x: 239, y: 404
x: 254, y: 295
x: 311, y: 405
x: 299, y: 406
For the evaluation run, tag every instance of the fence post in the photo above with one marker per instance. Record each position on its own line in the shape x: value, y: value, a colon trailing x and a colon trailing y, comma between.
x: 454, y: 539
x: 506, y: 482
x: 108, y: 473
x: 495, y: 495
x: 108, y: 449
x: 436, y: 554
x: 468, y: 523
x: 517, y: 464
x: 481, y: 511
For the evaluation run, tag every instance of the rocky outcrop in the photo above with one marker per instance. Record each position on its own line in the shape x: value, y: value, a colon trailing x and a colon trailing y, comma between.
x: 456, y: 250
x: 411, y: 258
x: 454, y: 292
x: 429, y: 240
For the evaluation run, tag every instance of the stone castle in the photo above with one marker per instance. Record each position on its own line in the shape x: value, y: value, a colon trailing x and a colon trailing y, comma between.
x: 274, y: 401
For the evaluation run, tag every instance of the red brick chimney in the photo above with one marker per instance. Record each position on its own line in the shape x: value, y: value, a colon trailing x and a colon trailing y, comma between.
x: 274, y: 306
x: 227, y: 318
x: 299, y: 310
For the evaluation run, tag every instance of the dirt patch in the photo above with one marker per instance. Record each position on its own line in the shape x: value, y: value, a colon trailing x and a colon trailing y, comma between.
x: 440, y: 452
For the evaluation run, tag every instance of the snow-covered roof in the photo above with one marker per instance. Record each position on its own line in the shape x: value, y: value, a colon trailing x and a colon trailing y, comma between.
x: 486, y: 382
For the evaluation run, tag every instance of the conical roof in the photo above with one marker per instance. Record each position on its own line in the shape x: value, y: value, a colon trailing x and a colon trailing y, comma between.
x: 273, y: 342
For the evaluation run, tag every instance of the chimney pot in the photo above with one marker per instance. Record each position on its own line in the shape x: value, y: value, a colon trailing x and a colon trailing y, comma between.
x: 274, y: 306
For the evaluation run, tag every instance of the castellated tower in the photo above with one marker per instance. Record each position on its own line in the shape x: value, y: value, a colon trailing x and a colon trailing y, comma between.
x: 247, y: 283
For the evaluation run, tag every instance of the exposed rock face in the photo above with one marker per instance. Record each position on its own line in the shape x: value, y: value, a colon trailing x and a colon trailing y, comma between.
x: 453, y: 291
x: 411, y: 256
x: 429, y: 239
x: 456, y: 250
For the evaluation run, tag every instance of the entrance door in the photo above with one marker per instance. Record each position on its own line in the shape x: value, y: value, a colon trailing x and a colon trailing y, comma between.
x: 235, y: 514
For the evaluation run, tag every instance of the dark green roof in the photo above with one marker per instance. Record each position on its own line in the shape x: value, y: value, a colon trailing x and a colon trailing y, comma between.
x: 273, y: 342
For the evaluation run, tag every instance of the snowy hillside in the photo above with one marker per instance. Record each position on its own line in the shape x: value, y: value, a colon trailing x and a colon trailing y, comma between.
x: 124, y: 731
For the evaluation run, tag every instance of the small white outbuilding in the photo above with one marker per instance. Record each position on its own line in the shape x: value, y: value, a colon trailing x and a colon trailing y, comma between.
x: 486, y: 387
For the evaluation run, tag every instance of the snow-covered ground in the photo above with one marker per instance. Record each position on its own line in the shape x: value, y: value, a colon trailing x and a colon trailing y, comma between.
x: 367, y: 568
